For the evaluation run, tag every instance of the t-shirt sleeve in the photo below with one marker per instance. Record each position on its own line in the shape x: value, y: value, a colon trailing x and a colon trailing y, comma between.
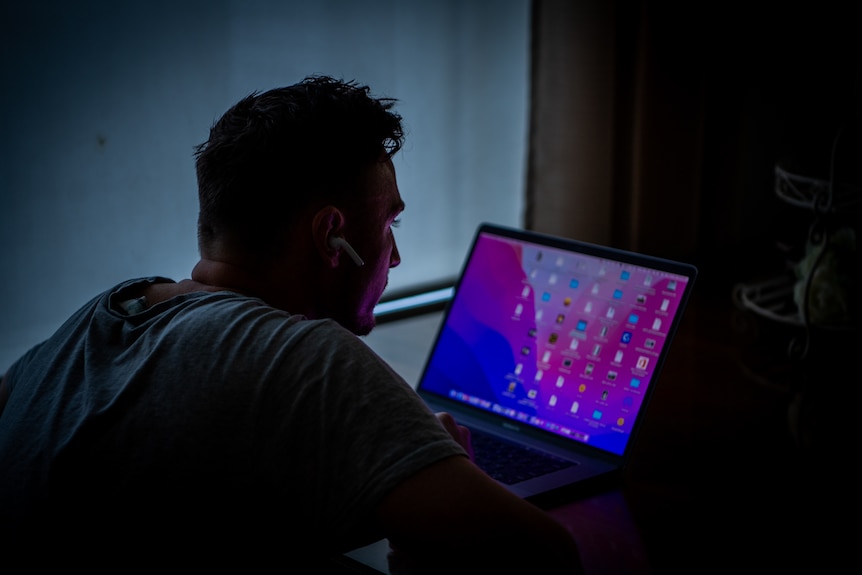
x: 365, y: 430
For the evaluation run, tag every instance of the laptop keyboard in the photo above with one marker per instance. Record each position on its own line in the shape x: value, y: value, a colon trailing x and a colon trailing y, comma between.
x: 510, y: 463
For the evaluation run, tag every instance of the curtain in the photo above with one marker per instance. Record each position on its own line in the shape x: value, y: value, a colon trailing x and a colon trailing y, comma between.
x: 599, y: 98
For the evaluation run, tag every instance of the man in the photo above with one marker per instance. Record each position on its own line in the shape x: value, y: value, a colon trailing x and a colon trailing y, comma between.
x: 236, y: 415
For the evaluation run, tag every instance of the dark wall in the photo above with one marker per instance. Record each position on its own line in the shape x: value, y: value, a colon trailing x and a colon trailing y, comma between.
x: 778, y: 85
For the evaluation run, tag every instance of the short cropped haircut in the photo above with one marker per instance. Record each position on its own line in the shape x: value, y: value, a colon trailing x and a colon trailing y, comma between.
x: 276, y: 154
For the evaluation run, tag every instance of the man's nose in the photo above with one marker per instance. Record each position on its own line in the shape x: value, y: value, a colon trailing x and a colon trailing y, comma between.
x: 395, y: 256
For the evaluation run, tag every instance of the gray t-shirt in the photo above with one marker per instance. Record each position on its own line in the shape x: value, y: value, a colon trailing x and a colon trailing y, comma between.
x: 208, y: 412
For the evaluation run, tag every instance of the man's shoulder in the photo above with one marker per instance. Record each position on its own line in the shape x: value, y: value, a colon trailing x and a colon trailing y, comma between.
x: 227, y: 318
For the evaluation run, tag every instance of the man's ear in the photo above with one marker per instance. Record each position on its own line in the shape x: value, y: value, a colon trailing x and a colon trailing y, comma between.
x: 327, y: 223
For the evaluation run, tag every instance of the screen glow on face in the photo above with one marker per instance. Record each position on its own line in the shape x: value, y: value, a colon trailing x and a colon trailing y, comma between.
x: 564, y: 342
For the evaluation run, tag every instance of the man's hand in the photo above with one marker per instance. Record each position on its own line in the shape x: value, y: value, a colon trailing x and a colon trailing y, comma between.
x: 457, y: 431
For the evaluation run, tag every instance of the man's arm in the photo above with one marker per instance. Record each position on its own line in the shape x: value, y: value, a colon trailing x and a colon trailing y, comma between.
x: 452, y: 516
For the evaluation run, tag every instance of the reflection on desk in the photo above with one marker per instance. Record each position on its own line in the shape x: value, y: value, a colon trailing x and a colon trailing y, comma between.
x: 606, y: 534
x: 600, y: 522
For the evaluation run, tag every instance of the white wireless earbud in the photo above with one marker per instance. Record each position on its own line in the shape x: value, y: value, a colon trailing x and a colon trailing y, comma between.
x: 339, y: 242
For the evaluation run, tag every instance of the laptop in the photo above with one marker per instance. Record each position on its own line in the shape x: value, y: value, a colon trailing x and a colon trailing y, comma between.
x: 549, y: 351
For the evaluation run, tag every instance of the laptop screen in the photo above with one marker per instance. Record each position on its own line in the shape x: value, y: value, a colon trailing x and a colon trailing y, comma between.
x: 562, y: 336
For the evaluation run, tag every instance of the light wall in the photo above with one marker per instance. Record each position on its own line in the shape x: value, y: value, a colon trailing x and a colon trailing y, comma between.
x: 102, y: 103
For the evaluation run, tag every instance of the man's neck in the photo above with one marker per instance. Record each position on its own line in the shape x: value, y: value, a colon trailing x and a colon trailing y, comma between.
x: 280, y: 285
x: 228, y: 276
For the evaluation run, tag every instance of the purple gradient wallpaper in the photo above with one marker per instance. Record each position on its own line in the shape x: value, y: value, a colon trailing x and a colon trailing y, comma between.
x: 565, y: 342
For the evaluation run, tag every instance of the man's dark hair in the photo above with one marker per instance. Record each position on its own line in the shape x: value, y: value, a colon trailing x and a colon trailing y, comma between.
x: 278, y: 153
